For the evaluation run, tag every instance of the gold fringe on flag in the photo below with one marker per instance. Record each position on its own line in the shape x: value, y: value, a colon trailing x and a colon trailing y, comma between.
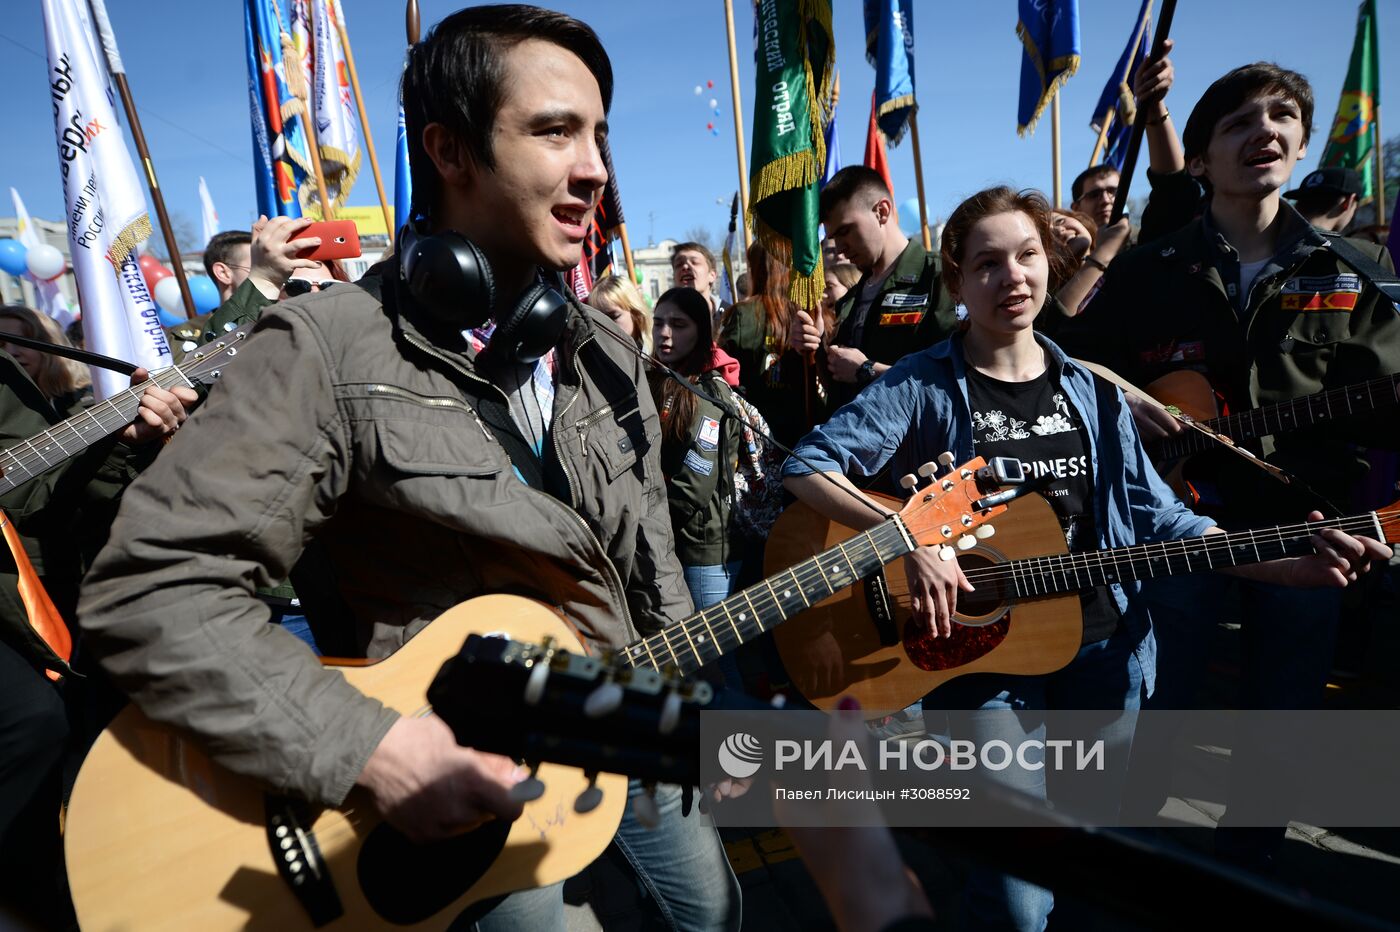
x: 1069, y: 64
x: 132, y: 235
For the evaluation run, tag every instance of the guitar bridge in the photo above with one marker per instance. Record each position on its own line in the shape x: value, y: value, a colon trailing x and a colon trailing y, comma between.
x: 877, y: 601
x: 293, y: 847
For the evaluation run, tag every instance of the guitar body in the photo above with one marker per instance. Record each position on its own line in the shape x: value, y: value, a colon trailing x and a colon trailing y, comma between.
x: 1190, y: 393
x: 159, y: 837
x: 888, y: 664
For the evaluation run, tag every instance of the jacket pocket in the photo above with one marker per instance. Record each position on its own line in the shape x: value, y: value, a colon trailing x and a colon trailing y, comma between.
x: 619, y: 440
x: 442, y: 445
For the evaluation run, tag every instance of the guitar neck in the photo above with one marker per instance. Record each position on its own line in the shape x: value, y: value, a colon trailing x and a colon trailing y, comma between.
x: 709, y: 634
x: 1040, y: 576
x: 66, y: 439
x: 1280, y: 418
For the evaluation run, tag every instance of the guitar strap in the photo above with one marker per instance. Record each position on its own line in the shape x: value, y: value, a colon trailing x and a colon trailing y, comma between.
x: 1371, y: 270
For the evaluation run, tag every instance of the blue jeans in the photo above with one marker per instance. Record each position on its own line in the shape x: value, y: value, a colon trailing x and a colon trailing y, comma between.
x: 681, y: 864
x: 291, y: 619
x: 1106, y: 675
x: 708, y: 585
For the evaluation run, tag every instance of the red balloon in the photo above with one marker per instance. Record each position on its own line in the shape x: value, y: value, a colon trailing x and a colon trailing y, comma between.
x: 709, y: 126
x: 147, y: 262
x: 709, y: 84
x: 154, y: 272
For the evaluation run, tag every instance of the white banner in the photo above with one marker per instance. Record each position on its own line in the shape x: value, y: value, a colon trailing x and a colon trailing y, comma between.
x: 330, y: 95
x: 48, y: 295
x: 106, y: 207
x: 208, y: 214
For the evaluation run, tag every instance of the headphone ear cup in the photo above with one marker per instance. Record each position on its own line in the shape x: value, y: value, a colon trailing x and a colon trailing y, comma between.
x: 533, y: 326
x: 450, y: 278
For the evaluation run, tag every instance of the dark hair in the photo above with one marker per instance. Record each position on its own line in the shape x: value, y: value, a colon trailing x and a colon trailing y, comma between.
x: 1231, y: 91
x: 1076, y: 190
x: 850, y: 182
x: 457, y: 77
x: 695, y: 247
x: 221, y: 247
x: 677, y: 406
x: 988, y: 203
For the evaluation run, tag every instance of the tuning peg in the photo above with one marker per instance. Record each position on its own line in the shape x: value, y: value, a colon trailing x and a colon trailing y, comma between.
x: 645, y: 809
x: 604, y: 700
x: 589, y: 799
x: 909, y: 482
x: 529, y: 789
x: 670, y: 712
x: 967, y: 542
x: 946, y: 553
x: 946, y: 458
x: 985, y: 531
x: 928, y: 469
x: 534, y: 686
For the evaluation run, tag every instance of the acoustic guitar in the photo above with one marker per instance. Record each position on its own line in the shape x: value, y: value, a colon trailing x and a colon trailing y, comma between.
x: 1024, y: 617
x: 25, y: 459
x: 160, y: 837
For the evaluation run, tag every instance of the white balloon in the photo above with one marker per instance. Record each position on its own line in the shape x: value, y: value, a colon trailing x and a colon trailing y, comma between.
x: 699, y: 90
x: 713, y: 103
x: 168, y: 295
x: 44, y: 262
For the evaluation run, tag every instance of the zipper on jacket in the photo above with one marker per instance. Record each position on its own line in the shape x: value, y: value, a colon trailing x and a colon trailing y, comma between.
x: 583, y: 425
x: 610, y: 574
x: 403, y: 394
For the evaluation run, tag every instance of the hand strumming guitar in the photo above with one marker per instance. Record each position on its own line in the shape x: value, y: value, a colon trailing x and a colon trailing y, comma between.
x: 162, y: 410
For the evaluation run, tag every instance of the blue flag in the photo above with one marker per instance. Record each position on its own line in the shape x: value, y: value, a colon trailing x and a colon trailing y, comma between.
x: 403, y: 181
x: 889, y: 46
x: 833, y: 147
x: 1049, y: 33
x: 1116, y: 105
x: 281, y: 158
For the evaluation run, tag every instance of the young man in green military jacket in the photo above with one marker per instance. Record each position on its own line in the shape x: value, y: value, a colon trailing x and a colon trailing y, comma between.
x: 1262, y: 305
x: 898, y: 307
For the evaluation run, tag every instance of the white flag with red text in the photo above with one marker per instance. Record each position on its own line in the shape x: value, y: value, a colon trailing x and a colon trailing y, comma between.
x: 106, y: 207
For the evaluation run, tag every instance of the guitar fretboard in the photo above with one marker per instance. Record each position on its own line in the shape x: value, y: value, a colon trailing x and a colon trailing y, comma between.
x: 1288, y: 415
x: 713, y: 632
x: 1041, y: 576
x: 67, y: 439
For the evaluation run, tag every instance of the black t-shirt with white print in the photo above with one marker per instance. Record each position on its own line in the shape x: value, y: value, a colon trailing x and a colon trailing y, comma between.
x: 1035, y: 422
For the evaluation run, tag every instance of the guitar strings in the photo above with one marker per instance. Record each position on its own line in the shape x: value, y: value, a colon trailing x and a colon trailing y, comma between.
x: 719, y: 633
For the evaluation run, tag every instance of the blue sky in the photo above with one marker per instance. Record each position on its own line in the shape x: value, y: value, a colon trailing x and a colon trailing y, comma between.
x: 185, y: 63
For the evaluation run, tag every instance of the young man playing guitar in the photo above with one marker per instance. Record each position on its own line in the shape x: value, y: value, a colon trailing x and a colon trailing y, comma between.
x: 1268, y: 310
x: 463, y: 431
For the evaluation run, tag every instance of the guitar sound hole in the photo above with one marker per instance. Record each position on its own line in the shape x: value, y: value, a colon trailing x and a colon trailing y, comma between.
x: 988, y: 600
x: 406, y: 883
x: 982, y: 621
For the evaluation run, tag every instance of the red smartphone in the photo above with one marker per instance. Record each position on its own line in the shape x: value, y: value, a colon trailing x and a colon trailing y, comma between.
x: 339, y: 240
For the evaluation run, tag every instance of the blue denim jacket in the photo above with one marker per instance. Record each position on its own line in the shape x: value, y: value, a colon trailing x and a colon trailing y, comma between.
x: 919, y: 408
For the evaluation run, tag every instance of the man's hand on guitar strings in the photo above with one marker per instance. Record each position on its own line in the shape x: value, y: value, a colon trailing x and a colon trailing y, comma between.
x: 429, y: 787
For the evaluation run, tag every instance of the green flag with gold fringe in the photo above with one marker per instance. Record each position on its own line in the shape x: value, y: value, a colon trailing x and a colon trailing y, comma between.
x: 795, y: 56
x: 1352, y: 141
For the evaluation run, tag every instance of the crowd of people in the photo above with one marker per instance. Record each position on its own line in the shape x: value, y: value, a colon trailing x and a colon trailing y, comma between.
x: 455, y: 424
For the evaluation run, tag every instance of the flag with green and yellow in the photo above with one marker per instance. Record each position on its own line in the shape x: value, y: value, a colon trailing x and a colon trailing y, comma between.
x: 795, y: 56
x: 1353, y: 139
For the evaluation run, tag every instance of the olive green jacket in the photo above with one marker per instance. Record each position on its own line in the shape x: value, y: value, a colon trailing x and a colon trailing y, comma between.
x: 700, y: 480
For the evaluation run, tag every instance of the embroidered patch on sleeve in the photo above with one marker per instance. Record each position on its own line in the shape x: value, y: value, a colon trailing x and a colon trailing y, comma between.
x: 697, y: 463
x: 709, y: 435
x: 904, y: 300
x: 901, y: 318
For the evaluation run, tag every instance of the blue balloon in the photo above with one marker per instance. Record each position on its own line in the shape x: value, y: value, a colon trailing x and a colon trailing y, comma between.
x: 205, y: 293
x: 909, y: 217
x: 12, y: 256
x: 168, y: 319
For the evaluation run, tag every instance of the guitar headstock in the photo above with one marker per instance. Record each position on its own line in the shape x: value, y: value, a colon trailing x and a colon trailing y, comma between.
x: 954, y: 509
x: 539, y: 704
x: 1389, y: 520
x: 205, y: 363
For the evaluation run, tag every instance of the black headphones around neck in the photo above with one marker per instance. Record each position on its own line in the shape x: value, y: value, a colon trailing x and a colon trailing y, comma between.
x: 450, y: 278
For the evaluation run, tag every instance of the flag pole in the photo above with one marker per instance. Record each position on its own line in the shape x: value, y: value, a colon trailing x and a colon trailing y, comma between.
x: 738, y: 120
x: 627, y: 253
x: 1104, y: 126
x: 1055, y: 142
x: 1125, y: 177
x: 108, y: 40
x: 364, y: 121
x: 919, y: 177
x: 410, y: 21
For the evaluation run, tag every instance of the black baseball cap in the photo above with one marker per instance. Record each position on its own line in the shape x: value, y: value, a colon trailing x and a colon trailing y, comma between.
x: 1334, y: 180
